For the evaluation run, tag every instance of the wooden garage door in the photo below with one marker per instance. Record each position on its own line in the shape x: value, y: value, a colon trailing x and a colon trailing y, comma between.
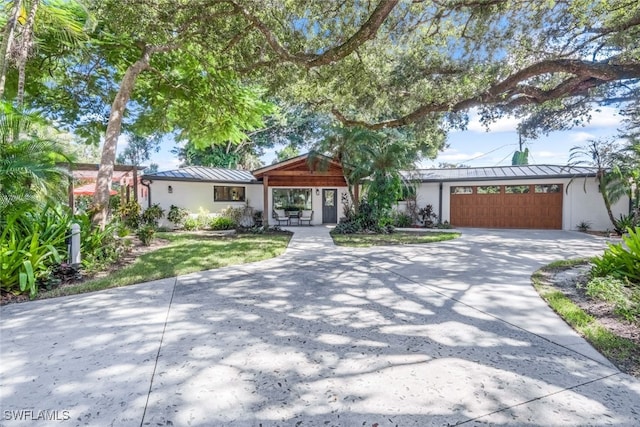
x: 507, y: 206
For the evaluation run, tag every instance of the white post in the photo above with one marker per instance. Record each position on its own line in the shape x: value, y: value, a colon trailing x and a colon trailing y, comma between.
x: 74, y: 253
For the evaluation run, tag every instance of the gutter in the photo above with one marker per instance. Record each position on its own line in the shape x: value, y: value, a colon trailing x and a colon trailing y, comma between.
x: 440, y: 202
x: 147, y: 183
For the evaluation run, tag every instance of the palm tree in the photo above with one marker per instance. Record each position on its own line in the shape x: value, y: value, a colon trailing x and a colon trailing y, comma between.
x: 29, y: 174
x: 345, y: 145
x: 373, y: 159
x: 601, y: 154
x: 52, y: 27
x: 7, y: 40
x: 627, y: 169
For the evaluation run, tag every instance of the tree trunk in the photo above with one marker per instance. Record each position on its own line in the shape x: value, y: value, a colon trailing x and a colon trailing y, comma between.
x: 105, y: 172
x: 23, y: 55
x: 605, y: 197
x: 7, y: 41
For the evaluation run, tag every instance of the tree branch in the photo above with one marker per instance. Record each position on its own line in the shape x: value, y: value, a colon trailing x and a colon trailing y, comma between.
x: 513, y: 91
x: 365, y: 33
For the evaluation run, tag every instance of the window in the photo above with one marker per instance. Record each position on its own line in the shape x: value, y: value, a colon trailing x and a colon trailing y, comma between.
x: 292, y: 198
x: 461, y: 190
x: 516, y: 189
x: 228, y: 194
x: 488, y: 189
x: 548, y: 188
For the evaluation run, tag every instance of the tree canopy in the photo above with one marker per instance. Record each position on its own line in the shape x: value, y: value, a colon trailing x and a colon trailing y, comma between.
x: 202, y: 70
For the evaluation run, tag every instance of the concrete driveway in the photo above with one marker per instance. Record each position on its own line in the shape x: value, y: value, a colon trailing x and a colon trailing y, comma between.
x: 442, y: 334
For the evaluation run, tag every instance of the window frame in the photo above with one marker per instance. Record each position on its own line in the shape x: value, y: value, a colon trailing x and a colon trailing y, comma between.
x: 227, y: 190
x: 528, y: 187
x: 452, y: 190
x: 556, y: 187
x: 485, y: 193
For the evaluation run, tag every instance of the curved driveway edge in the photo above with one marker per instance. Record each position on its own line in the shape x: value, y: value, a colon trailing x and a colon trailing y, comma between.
x: 450, y: 333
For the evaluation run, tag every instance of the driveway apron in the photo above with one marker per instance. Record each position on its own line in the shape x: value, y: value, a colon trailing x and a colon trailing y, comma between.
x: 449, y: 333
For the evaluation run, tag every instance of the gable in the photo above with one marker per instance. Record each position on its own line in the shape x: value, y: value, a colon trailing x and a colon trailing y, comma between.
x: 303, y: 171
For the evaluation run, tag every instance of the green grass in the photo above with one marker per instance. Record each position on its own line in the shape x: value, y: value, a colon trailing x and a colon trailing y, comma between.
x: 187, y: 253
x: 399, y: 238
x: 618, y: 349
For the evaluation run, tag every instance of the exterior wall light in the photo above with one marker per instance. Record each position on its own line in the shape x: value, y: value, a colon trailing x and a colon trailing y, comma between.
x: 170, y: 189
x: 317, y: 191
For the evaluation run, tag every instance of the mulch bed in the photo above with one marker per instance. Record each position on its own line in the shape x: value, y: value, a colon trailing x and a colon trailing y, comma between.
x: 134, y: 251
x: 569, y: 281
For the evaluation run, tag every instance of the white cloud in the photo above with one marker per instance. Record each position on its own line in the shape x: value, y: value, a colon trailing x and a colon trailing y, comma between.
x: 580, y: 136
x: 605, y: 118
x: 504, y: 124
x: 547, y: 154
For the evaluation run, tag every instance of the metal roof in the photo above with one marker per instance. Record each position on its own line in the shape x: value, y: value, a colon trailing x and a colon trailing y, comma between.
x: 203, y: 174
x: 500, y: 173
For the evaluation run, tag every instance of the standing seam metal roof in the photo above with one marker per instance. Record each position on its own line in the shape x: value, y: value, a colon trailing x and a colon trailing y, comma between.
x: 500, y: 173
x: 204, y: 174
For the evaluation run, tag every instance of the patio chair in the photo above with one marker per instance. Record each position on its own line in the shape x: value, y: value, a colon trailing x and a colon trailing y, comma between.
x: 280, y: 216
x: 306, y: 215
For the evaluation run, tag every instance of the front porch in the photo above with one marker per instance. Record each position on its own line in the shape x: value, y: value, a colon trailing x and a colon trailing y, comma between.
x: 306, y: 190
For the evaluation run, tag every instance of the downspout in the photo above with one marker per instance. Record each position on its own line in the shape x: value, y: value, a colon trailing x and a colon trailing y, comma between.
x: 440, y: 204
x: 147, y: 183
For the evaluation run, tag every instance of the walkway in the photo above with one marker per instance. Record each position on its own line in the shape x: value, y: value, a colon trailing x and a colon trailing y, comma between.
x: 442, y: 334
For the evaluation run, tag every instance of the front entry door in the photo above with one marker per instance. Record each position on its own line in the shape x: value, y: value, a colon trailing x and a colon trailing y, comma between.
x: 329, y: 206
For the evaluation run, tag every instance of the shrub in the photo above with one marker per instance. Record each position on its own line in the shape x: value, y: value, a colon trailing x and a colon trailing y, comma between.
x: 129, y: 214
x: 222, y: 223
x: 428, y: 217
x: 177, y: 215
x: 626, y: 301
x: 234, y: 214
x: 583, y: 226
x: 626, y: 221
x: 444, y: 225
x: 401, y: 219
x: 31, y: 244
x: 203, y: 219
x: 191, y: 224
x: 99, y: 248
x: 618, y: 261
x: 146, y: 234
x: 152, y: 215
x: 347, y: 227
x: 122, y: 230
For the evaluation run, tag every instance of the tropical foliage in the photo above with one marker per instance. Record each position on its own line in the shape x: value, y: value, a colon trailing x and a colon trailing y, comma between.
x: 31, y: 244
x: 373, y: 161
x: 621, y: 261
x: 29, y: 173
x: 616, y: 276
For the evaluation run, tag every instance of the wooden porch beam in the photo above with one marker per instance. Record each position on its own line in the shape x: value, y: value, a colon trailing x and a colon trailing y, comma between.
x: 265, y: 199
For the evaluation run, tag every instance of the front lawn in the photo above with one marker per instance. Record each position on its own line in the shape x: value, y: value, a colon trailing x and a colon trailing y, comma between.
x: 364, y: 240
x: 187, y: 253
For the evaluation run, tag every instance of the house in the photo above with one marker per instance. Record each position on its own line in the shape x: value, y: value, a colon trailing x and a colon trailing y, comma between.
x: 526, y: 196
x: 529, y: 196
x: 312, y: 183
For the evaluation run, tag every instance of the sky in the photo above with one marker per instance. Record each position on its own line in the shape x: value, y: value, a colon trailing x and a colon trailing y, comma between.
x: 476, y: 147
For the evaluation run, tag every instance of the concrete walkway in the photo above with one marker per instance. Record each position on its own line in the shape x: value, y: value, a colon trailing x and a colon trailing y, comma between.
x: 450, y: 333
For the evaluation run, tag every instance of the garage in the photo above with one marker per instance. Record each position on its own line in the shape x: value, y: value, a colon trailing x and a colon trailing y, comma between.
x: 532, y: 206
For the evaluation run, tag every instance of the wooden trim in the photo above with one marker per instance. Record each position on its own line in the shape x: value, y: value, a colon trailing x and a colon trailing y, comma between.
x: 265, y: 201
x: 302, y: 173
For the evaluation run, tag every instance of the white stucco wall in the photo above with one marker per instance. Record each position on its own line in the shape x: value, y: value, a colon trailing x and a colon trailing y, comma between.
x: 581, y: 202
x: 197, y: 196
x: 316, y: 202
